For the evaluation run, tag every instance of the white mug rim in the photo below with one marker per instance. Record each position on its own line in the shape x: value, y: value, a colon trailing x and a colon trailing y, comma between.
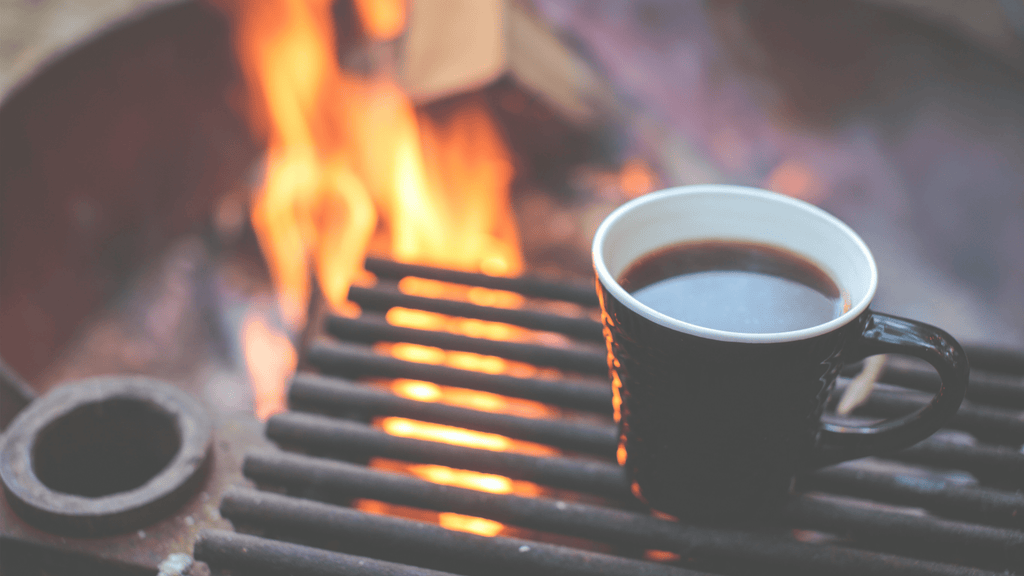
x: 619, y: 293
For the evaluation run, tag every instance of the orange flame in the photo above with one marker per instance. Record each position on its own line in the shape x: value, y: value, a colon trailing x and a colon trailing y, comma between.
x: 382, y: 19
x: 351, y: 164
x: 637, y: 178
x: 271, y: 359
x: 314, y: 207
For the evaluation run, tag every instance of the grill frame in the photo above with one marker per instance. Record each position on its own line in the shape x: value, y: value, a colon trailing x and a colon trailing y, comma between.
x: 868, y: 518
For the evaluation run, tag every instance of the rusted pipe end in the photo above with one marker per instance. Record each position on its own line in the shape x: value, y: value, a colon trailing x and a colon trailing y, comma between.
x: 105, y: 455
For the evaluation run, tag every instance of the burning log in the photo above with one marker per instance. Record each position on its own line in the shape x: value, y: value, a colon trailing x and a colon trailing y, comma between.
x: 455, y: 47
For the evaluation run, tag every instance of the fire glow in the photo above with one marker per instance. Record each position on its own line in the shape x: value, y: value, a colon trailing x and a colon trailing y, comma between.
x: 352, y: 167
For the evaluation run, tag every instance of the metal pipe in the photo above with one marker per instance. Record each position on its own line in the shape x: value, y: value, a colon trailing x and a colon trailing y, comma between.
x: 582, y: 294
x: 995, y: 359
x: 990, y: 464
x: 431, y: 545
x: 729, y: 550
x: 353, y: 361
x: 926, y: 537
x: 352, y: 439
x: 369, y: 331
x: 969, y: 503
x: 989, y: 424
x: 335, y: 396
x: 973, y: 503
x: 246, y: 554
x: 380, y: 299
x: 993, y: 388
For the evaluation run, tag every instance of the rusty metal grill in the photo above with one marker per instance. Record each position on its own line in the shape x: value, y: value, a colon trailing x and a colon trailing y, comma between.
x: 950, y: 505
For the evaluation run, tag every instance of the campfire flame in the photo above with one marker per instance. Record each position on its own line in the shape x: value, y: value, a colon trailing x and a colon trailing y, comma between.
x: 382, y: 19
x: 353, y: 167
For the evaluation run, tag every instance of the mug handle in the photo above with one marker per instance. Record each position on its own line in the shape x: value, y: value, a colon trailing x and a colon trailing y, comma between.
x: 885, y: 334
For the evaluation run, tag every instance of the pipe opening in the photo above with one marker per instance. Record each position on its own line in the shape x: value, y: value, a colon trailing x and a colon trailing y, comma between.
x: 105, y: 447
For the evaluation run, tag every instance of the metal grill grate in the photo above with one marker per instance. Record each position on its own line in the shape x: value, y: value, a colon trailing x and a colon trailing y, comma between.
x: 950, y: 505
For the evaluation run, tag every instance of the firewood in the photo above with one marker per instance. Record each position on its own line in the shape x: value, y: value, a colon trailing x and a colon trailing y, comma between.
x: 454, y: 46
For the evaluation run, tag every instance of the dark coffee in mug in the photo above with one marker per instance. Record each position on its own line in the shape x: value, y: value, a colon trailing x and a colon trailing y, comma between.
x: 735, y: 286
x: 728, y: 314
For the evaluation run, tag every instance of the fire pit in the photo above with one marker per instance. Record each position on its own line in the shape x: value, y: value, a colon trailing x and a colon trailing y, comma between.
x: 442, y: 411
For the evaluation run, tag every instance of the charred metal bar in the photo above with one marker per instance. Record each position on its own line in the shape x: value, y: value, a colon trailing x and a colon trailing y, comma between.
x: 606, y: 479
x: 369, y: 331
x: 995, y: 425
x: 972, y: 503
x: 977, y: 541
x: 252, y: 554
x: 995, y: 359
x: 335, y: 396
x: 728, y: 549
x: 1004, y: 390
x: 352, y: 361
x: 609, y: 480
x: 384, y: 299
x: 999, y: 463
x: 351, y: 438
x: 432, y: 545
x: 927, y: 537
x: 583, y: 294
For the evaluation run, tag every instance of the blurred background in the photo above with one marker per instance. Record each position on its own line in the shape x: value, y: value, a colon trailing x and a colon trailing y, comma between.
x: 131, y: 155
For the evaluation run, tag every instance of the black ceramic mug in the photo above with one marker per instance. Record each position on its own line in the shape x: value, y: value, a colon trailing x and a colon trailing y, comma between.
x: 714, y: 424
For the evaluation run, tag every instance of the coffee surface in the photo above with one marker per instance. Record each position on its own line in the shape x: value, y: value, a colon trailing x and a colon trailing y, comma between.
x: 735, y: 286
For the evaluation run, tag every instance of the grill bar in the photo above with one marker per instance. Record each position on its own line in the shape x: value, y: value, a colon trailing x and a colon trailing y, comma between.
x: 371, y: 331
x: 985, y: 388
x: 982, y: 357
x: 382, y: 299
x: 971, y: 503
x: 989, y: 424
x: 583, y: 295
x: 931, y: 538
x: 335, y: 396
x: 728, y: 550
x: 995, y: 359
x: 339, y: 397
x: 605, y: 479
x: 339, y: 437
x: 436, y: 546
x: 253, y: 554
x: 352, y: 361
x: 609, y: 480
x: 986, y: 462
x: 1006, y: 390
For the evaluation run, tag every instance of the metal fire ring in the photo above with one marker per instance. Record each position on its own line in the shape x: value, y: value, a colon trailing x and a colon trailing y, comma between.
x: 105, y: 455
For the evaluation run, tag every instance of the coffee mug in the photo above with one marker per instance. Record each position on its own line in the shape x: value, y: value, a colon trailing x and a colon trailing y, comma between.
x: 719, y: 403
